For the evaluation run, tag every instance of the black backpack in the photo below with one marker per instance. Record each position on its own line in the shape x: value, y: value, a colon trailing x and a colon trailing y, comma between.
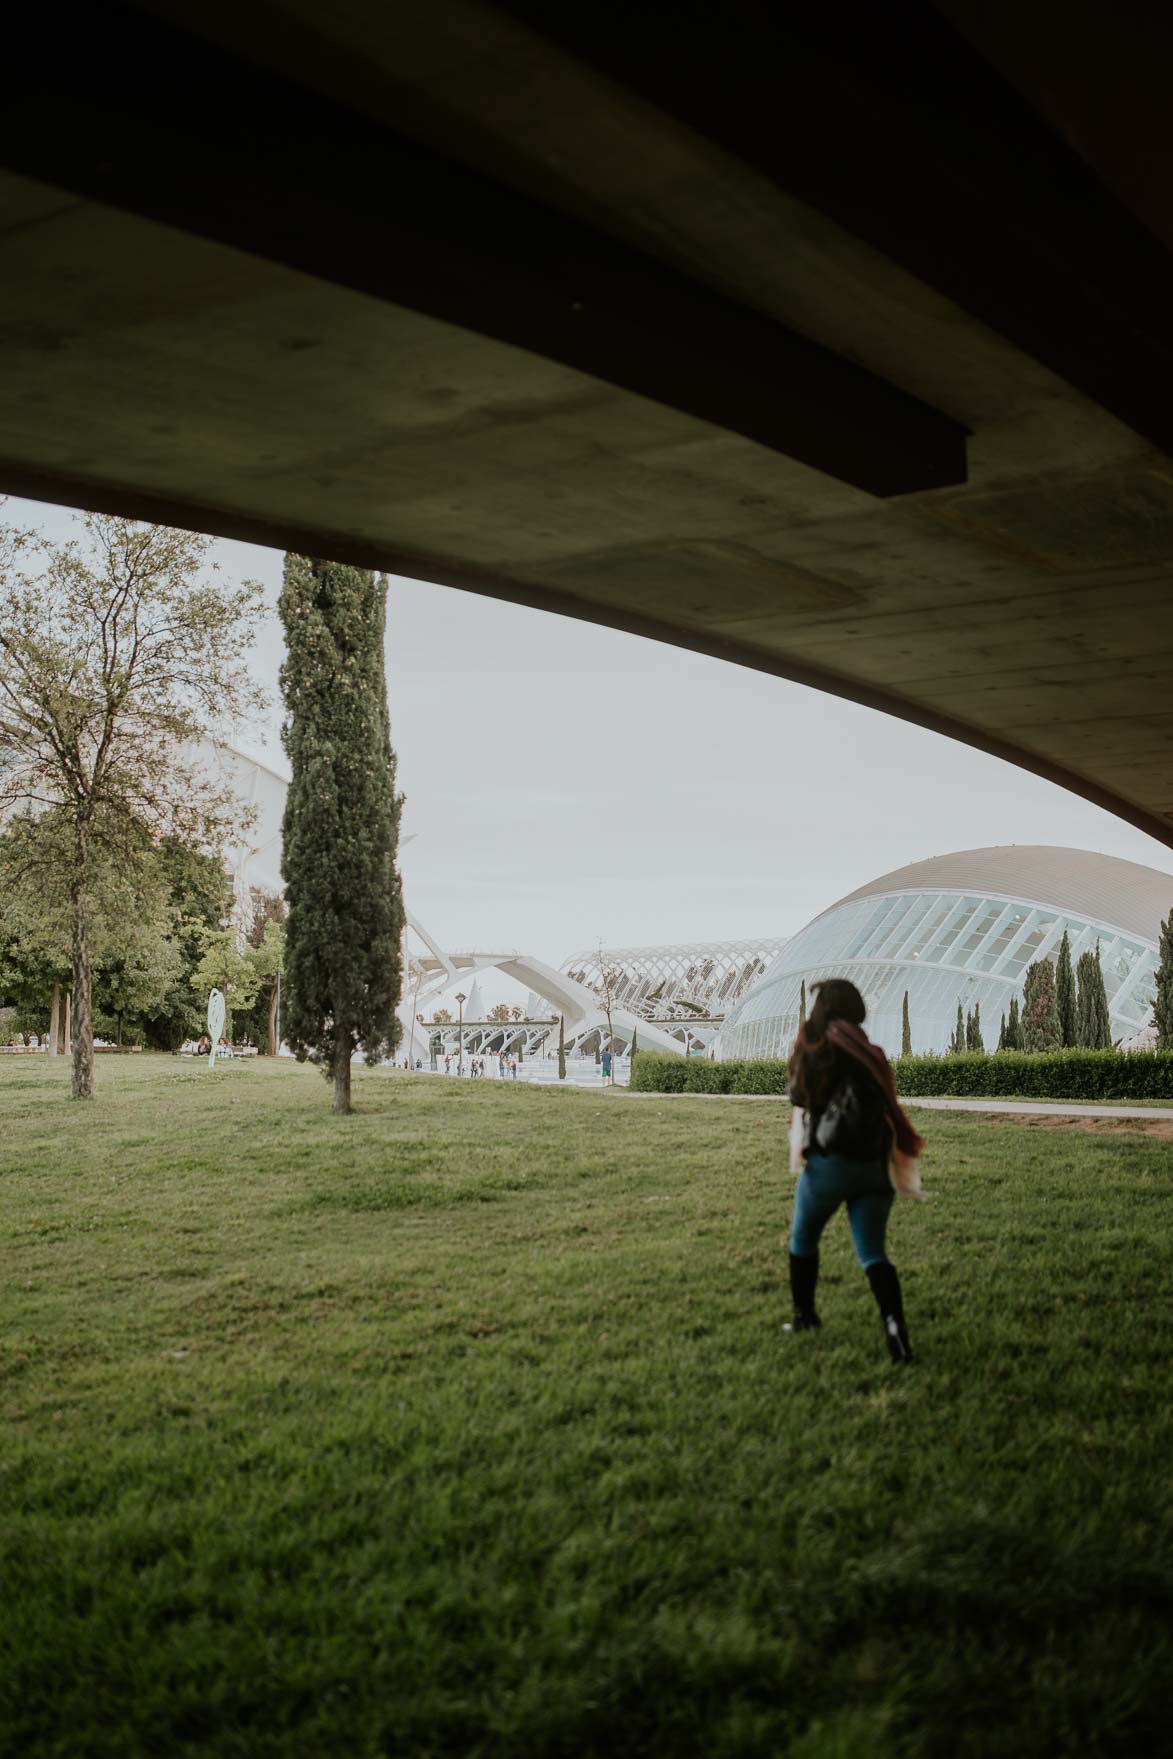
x: 854, y: 1122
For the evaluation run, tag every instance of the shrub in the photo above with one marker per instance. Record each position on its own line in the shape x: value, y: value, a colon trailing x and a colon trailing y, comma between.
x: 1061, y: 1074
x: 1057, y: 1074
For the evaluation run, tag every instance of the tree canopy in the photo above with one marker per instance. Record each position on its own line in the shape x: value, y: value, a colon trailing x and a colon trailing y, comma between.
x: 118, y: 652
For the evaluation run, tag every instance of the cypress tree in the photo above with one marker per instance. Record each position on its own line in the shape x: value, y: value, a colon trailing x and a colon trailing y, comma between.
x: 1065, y: 993
x: 1002, y: 1034
x: 973, y: 1030
x: 1163, y: 996
x: 905, y: 1030
x: 1013, y: 1027
x: 343, y: 957
x: 802, y: 1004
x: 1094, y: 1020
x: 562, y: 1047
x: 1040, y: 1008
x: 957, y: 1043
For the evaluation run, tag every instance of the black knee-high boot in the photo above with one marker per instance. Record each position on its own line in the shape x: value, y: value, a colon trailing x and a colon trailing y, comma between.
x: 886, y: 1288
x: 804, y: 1277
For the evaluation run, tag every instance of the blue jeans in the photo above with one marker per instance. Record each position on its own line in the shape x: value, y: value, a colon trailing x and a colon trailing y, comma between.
x: 829, y: 1180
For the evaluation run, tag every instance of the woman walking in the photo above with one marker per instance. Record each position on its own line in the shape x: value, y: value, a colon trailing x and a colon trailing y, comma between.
x: 850, y: 1142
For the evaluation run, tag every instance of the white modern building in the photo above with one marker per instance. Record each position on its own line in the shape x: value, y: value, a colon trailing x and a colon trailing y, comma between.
x: 686, y: 987
x: 963, y: 928
x: 430, y: 971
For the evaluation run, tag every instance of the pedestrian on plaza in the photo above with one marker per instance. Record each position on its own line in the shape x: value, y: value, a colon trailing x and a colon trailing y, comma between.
x: 447, y: 1065
x: 850, y: 1142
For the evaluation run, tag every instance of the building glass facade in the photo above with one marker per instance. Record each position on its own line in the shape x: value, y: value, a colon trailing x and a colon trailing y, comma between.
x: 943, y: 945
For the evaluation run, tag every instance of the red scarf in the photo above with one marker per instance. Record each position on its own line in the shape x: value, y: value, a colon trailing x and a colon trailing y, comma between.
x: 854, y: 1042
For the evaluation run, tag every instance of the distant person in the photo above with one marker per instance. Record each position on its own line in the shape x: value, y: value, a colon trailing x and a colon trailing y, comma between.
x: 850, y: 1143
x: 447, y: 1065
x: 204, y: 1047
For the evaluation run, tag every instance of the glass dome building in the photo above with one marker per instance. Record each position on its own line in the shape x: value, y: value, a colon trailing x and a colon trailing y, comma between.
x: 963, y: 928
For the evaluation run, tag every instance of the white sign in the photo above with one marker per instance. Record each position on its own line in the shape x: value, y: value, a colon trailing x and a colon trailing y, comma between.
x: 217, y: 1013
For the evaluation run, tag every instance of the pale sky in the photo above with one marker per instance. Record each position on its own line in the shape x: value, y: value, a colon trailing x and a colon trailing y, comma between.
x: 568, y: 785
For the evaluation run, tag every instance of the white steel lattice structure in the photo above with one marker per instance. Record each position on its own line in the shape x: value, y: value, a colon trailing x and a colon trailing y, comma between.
x: 688, y: 981
x: 963, y: 928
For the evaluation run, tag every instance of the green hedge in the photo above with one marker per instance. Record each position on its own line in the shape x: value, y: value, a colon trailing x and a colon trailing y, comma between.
x: 1040, y: 1075
x: 1090, y: 1075
x: 654, y: 1073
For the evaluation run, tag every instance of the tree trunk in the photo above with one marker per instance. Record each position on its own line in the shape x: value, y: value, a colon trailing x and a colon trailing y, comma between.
x: 120, y: 1031
x: 54, y: 1020
x: 65, y: 1047
x: 342, y: 1079
x: 82, y: 1085
x: 272, y: 1051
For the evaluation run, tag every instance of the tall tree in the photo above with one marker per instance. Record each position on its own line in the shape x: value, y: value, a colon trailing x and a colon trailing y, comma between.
x: 608, y: 990
x: 1094, y: 1020
x: 802, y: 1004
x: 1040, y: 1008
x: 1163, y: 995
x: 561, y: 1047
x: 343, y: 946
x: 957, y: 1042
x: 973, y: 1030
x: 905, y: 1030
x: 116, y: 654
x: 1065, y: 992
x: 1013, y: 1027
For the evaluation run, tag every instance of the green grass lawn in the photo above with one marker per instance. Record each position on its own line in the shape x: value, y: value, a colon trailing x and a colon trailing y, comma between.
x: 467, y: 1426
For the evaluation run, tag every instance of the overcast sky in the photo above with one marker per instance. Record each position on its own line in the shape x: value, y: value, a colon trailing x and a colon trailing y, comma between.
x: 568, y: 785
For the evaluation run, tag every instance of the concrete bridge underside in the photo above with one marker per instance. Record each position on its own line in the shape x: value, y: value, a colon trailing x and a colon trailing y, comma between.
x: 833, y: 340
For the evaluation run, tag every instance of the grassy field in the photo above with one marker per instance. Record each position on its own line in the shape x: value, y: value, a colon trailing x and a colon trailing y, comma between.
x: 467, y: 1426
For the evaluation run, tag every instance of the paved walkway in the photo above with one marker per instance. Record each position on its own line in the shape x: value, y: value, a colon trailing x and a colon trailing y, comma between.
x: 1044, y: 1108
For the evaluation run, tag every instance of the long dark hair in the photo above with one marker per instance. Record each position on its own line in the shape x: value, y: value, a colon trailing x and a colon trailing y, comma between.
x: 812, y: 1061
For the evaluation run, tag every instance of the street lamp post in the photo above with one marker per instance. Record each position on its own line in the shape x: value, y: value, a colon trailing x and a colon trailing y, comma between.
x: 460, y: 1001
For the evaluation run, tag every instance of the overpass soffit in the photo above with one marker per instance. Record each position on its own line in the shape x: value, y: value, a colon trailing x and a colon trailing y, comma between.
x: 169, y: 352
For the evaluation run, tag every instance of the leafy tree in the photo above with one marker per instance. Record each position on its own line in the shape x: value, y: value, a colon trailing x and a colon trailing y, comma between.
x: 1065, y: 993
x: 1040, y: 1008
x: 501, y: 1014
x: 268, y: 962
x: 1002, y: 1032
x: 343, y: 959
x: 973, y: 1031
x: 561, y: 1048
x: 264, y: 937
x: 135, y: 957
x: 1163, y: 997
x: 442, y: 1017
x: 1013, y: 1027
x: 230, y: 968
x: 905, y: 1030
x: 200, y: 899
x: 608, y: 990
x: 137, y: 967
x: 1094, y: 1020
x: 115, y: 657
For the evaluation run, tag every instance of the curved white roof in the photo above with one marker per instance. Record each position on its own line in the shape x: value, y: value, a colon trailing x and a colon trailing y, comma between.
x: 1134, y: 898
